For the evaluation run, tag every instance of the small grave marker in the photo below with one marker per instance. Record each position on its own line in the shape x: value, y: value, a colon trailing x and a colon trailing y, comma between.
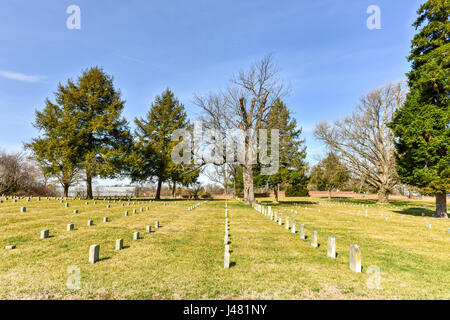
x: 226, y: 260
x: 355, y: 258
x: 119, y: 244
x: 45, y: 234
x: 314, y: 239
x: 94, y: 253
x: 331, y: 247
x: 302, y: 231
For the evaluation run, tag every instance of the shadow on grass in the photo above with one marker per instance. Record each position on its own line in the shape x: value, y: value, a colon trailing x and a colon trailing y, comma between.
x: 104, y: 259
x: 416, y: 211
x: 270, y: 202
x: 352, y: 200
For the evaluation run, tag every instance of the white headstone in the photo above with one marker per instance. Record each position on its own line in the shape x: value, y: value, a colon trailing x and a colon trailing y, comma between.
x: 119, y: 244
x: 314, y: 239
x: 226, y: 260
x: 331, y: 247
x: 45, y: 234
x: 94, y: 253
x: 302, y: 231
x: 355, y: 258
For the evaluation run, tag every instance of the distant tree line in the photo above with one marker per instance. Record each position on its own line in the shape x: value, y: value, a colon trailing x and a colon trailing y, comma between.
x: 20, y: 176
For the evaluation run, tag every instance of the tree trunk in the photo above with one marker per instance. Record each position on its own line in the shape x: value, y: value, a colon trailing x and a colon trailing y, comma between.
x: 234, y: 187
x: 89, y: 185
x: 441, y: 206
x: 174, y: 190
x: 275, y: 193
x: 66, y: 190
x: 249, y: 194
x: 383, y: 195
x: 329, y: 194
x: 158, y: 190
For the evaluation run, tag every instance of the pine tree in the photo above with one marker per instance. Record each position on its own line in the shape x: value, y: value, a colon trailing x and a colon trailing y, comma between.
x: 105, y: 139
x: 329, y: 174
x: 153, y: 147
x: 422, y: 124
x: 292, y: 151
x: 58, y: 150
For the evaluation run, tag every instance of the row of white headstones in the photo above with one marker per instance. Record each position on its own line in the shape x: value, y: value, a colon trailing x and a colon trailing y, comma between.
x: 355, y: 250
x: 94, y: 250
x: 196, y: 205
x: 226, y: 240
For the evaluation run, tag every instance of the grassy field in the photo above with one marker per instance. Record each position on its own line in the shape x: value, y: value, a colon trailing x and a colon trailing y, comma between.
x: 183, y: 259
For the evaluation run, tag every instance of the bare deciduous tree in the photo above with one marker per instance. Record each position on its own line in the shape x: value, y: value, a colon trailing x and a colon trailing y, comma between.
x: 219, y: 174
x: 215, y: 118
x: 244, y: 106
x: 364, y: 141
x: 250, y: 100
x: 18, y: 176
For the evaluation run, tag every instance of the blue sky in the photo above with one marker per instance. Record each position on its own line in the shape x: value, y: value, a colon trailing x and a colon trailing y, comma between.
x: 323, y: 48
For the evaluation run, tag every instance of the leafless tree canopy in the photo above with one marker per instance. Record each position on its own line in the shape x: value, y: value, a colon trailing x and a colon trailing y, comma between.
x: 19, y: 177
x: 244, y: 106
x: 364, y: 141
x: 253, y: 93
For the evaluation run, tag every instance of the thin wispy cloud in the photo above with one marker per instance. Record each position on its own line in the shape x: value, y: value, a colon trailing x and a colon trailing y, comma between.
x: 21, y: 77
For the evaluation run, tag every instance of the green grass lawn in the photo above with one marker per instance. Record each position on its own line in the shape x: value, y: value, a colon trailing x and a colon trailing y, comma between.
x: 183, y: 259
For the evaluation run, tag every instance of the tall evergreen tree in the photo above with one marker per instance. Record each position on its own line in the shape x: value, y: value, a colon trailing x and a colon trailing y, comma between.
x: 422, y: 124
x: 105, y: 139
x: 292, y: 151
x: 153, y: 145
x: 58, y: 150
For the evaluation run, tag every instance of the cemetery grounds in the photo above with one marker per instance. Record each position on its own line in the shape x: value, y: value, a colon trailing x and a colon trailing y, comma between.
x: 184, y: 257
